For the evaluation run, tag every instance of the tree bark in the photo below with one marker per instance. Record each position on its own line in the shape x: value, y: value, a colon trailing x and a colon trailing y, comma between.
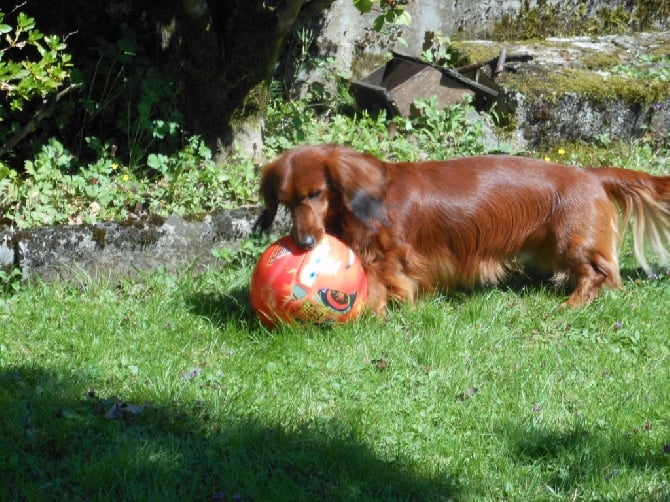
x: 227, y: 62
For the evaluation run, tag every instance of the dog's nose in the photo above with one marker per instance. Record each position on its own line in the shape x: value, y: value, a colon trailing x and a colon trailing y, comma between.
x: 306, y: 242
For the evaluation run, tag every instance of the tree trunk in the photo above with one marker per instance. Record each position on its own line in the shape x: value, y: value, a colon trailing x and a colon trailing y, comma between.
x: 221, y: 54
x: 227, y: 60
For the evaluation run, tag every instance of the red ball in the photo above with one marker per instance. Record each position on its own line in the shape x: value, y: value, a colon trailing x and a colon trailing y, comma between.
x: 324, y: 284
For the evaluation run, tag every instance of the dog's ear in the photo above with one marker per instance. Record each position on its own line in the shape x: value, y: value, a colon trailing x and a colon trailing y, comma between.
x: 362, y: 180
x: 268, y: 190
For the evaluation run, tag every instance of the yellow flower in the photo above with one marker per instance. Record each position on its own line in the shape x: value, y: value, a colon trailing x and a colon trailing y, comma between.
x: 126, y: 177
x: 115, y: 166
x: 547, y: 159
x: 561, y: 151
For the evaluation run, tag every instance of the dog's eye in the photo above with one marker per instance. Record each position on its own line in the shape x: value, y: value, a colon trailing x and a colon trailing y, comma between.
x: 314, y: 195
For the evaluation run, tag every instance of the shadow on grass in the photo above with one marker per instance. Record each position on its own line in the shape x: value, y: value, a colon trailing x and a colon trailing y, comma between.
x: 233, y: 306
x: 573, y: 457
x: 59, y: 440
x: 531, y: 282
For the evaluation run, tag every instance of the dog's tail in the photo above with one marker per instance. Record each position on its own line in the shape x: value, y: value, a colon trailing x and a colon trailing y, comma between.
x: 645, y: 199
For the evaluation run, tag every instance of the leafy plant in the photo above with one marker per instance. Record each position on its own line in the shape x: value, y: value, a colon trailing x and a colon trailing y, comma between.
x: 190, y: 181
x: 436, y: 49
x: 33, y: 68
x: 432, y: 132
x: 445, y: 133
x: 391, y: 12
x: 646, y: 67
x: 128, y: 103
x: 10, y: 280
x: 27, y: 77
x: 186, y: 182
x: 246, y: 253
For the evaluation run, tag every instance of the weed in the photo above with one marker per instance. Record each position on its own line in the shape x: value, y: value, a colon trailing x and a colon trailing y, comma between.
x: 432, y: 132
x: 128, y: 103
x: 646, y: 67
x: 546, y: 19
x: 245, y: 253
x: 186, y: 182
x: 10, y: 280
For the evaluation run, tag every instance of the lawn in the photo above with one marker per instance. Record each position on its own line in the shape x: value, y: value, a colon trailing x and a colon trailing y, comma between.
x: 166, y: 387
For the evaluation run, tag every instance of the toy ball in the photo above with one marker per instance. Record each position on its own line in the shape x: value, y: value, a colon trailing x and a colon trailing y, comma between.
x: 324, y: 284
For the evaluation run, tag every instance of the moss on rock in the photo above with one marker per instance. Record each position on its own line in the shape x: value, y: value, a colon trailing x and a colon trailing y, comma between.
x: 546, y: 19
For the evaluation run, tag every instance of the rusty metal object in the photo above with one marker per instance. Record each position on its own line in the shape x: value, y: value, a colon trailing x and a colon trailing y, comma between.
x: 394, y: 86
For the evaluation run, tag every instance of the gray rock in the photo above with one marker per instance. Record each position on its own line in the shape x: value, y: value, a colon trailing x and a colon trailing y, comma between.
x: 124, y: 248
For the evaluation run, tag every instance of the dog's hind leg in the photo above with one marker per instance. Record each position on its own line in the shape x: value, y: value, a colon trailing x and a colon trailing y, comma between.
x: 593, y: 262
x: 590, y: 253
x: 590, y: 276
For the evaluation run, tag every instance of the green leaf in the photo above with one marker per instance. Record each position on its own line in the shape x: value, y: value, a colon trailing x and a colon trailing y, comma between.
x: 363, y: 6
x: 403, y: 17
x: 157, y: 161
x: 24, y: 22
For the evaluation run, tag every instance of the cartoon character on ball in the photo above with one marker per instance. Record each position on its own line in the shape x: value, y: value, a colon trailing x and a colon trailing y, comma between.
x: 324, y: 284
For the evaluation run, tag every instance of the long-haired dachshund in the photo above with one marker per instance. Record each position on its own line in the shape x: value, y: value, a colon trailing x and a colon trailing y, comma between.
x: 438, y: 225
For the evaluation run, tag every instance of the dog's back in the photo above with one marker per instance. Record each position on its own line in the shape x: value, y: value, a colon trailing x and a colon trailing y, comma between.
x: 420, y: 226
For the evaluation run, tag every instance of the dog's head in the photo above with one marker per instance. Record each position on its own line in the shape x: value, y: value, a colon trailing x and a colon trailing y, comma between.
x: 321, y: 184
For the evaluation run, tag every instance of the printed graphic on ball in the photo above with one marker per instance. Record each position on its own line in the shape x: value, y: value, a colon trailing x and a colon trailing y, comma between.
x: 324, y: 284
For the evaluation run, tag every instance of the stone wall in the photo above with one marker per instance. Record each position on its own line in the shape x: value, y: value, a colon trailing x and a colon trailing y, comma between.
x: 345, y: 34
x: 110, y: 249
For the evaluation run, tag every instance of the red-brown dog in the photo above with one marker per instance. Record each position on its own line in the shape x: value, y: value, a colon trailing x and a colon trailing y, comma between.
x: 438, y: 225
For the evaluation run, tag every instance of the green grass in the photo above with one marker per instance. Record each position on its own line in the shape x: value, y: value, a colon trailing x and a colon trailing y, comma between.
x: 490, y: 395
x: 167, y: 387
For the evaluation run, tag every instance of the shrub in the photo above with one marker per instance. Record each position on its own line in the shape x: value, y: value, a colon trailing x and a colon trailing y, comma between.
x: 126, y: 103
x: 33, y: 71
x: 55, y: 188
